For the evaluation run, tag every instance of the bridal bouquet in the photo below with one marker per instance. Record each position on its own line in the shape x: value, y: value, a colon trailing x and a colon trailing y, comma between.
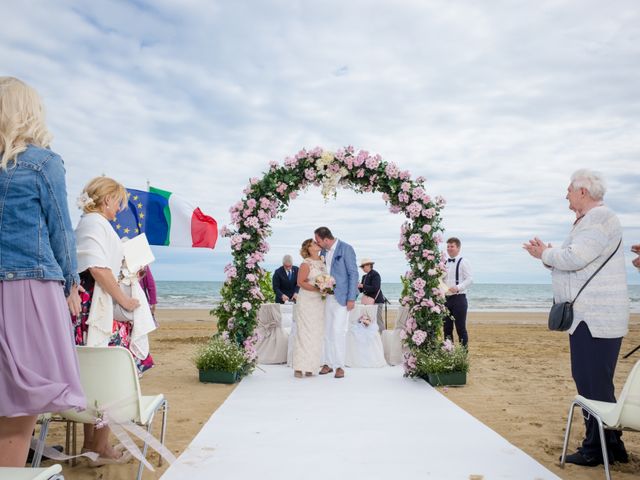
x: 325, y: 283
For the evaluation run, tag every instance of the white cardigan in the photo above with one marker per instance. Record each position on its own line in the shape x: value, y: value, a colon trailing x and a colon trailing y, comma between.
x: 604, y: 304
x: 99, y: 246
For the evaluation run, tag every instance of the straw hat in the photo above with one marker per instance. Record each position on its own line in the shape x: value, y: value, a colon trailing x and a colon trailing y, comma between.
x: 366, y: 261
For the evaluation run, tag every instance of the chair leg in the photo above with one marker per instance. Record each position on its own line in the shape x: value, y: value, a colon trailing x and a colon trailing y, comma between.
x: 566, y: 434
x: 603, y: 444
x: 144, y: 450
x: 164, y: 427
x: 37, y: 454
x: 67, y: 441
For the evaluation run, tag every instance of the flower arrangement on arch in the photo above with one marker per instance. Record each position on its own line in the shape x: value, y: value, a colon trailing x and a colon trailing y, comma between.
x: 448, y: 358
x: 220, y: 354
x: 268, y: 197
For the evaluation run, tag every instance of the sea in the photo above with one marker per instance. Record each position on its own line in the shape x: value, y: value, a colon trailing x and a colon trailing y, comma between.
x: 487, y: 297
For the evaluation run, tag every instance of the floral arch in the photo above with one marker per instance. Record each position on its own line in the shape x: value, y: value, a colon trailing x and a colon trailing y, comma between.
x: 269, y: 197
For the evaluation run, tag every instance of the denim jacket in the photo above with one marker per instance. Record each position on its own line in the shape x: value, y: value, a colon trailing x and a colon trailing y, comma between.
x: 36, y: 237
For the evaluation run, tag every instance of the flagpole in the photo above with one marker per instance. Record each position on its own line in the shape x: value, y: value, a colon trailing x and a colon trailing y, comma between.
x: 148, y: 185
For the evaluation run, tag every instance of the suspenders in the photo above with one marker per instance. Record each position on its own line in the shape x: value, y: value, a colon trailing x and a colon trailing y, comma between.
x: 458, y: 271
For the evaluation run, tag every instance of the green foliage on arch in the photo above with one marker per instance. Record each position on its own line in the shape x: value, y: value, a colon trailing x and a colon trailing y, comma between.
x: 269, y: 197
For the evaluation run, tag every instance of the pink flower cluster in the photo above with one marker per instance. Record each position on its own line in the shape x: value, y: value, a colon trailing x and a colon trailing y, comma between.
x: 419, y: 336
x: 409, y: 363
x: 249, y: 344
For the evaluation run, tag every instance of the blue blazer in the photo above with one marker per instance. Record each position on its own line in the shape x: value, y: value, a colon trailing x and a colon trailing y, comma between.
x: 344, y: 269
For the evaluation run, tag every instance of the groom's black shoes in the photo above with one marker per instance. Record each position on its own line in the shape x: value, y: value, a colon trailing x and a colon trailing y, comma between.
x: 325, y: 369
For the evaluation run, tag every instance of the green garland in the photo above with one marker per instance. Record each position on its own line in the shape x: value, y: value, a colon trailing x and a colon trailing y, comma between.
x: 269, y: 198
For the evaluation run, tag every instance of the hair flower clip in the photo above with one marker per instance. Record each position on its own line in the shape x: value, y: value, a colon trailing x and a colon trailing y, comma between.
x: 84, y: 200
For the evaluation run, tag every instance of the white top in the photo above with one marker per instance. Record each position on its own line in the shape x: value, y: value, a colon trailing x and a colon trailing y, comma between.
x: 465, y: 279
x: 100, y: 247
x: 604, y: 304
x: 329, y: 258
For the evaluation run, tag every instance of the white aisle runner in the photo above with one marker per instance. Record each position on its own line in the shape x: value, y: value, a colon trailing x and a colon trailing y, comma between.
x: 372, y: 424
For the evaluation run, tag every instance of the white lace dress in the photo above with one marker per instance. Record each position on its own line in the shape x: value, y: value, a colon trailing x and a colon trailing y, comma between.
x: 307, y: 351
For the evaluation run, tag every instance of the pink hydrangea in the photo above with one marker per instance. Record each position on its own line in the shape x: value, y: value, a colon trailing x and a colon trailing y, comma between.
x: 447, y: 346
x: 418, y: 337
x: 246, y: 306
x: 426, y: 228
x: 414, y: 209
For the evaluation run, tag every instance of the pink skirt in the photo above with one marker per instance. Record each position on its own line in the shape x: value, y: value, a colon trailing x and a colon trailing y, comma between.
x: 39, y: 370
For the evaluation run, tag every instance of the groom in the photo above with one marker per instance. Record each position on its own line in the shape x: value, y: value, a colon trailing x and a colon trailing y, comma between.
x: 341, y: 265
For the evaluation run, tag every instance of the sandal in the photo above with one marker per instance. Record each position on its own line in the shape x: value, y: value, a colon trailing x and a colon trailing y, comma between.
x: 124, y: 458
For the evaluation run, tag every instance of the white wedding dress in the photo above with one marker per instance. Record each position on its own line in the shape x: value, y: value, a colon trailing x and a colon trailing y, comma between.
x: 307, y: 350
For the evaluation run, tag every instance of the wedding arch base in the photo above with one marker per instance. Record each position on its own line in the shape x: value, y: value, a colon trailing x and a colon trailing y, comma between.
x: 215, y: 376
x: 449, y: 379
x: 369, y: 424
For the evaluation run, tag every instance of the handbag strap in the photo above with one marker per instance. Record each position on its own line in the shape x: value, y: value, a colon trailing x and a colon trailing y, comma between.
x: 594, y: 273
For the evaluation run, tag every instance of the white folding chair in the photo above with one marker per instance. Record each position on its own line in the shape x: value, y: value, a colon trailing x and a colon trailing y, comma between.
x: 49, y: 473
x: 621, y: 415
x: 109, y: 378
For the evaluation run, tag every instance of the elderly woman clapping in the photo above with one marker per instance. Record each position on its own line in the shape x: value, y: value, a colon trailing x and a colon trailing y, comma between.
x: 601, y: 312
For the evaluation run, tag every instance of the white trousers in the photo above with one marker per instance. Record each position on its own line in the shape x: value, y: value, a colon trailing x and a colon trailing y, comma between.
x: 336, y: 324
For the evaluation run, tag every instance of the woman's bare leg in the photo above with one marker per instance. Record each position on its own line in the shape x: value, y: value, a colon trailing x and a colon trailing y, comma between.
x: 15, y: 438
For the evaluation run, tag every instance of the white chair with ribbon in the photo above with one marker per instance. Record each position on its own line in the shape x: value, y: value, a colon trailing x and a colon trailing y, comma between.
x: 364, y: 346
x: 109, y: 378
x: 16, y: 473
x: 391, y: 340
x: 621, y: 415
x: 272, y: 339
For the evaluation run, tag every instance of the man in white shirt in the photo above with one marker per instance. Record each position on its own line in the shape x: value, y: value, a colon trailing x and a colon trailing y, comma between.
x: 458, y: 280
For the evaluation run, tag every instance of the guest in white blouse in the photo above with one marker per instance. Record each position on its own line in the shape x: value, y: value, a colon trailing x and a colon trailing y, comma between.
x: 601, y: 312
x: 458, y: 281
x: 100, y: 262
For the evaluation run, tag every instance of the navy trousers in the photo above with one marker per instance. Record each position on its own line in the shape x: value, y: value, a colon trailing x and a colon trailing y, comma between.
x: 593, y: 364
x: 457, y: 305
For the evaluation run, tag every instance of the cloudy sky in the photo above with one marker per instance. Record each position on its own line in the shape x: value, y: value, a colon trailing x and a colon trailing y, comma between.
x: 496, y: 103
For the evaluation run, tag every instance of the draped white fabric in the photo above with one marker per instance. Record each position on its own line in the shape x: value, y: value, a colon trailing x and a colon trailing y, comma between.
x: 272, y: 343
x: 391, y: 341
x: 364, y: 345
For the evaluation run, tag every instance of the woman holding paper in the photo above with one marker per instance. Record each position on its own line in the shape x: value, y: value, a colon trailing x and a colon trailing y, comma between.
x: 100, y: 262
x: 101, y: 256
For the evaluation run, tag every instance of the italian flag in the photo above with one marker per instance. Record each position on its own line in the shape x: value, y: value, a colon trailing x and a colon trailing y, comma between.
x: 186, y: 225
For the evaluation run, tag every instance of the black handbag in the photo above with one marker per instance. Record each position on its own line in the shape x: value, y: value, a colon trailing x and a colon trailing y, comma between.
x: 561, y: 314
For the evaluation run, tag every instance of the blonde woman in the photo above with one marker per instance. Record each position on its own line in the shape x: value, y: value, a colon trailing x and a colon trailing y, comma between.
x: 307, y: 350
x: 100, y: 257
x: 38, y: 363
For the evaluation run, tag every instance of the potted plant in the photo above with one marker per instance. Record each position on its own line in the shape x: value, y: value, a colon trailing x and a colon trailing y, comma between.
x: 220, y: 360
x: 447, y: 364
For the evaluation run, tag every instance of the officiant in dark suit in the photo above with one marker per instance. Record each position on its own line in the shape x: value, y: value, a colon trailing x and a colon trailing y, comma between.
x: 285, y: 281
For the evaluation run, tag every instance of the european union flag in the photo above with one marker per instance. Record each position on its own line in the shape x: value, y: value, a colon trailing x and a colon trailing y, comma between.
x: 147, y: 212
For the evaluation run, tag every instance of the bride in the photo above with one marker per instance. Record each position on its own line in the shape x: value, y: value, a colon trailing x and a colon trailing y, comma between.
x: 307, y: 351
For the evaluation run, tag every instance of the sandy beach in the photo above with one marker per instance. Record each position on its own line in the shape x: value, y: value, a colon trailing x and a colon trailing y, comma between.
x: 519, y: 385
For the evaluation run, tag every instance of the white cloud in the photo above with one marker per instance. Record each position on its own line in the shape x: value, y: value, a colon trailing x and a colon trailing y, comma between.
x: 495, y: 103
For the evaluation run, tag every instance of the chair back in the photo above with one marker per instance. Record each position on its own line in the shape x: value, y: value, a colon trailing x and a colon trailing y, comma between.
x: 629, y: 400
x: 109, y: 378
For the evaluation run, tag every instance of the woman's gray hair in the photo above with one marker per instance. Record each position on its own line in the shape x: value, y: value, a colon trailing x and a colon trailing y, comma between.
x: 288, y: 259
x: 590, y: 180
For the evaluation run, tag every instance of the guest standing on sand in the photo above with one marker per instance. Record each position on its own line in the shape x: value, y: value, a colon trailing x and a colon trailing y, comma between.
x: 38, y: 364
x: 601, y: 312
